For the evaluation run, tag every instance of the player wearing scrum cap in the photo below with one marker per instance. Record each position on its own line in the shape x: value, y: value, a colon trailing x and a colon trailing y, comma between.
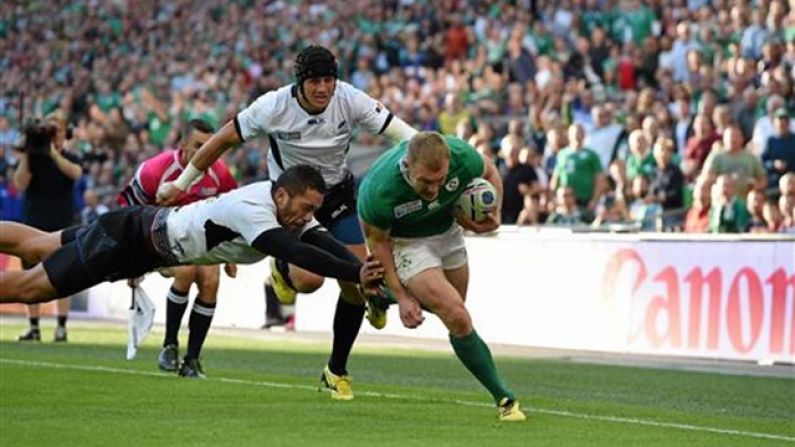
x: 311, y: 121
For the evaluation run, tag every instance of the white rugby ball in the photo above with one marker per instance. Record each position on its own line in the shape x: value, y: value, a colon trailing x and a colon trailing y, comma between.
x: 478, y: 199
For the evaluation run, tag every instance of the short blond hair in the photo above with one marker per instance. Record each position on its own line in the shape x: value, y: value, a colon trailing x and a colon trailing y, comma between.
x: 429, y: 149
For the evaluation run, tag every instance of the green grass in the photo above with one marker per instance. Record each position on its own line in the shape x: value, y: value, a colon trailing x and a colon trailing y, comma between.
x: 261, y: 393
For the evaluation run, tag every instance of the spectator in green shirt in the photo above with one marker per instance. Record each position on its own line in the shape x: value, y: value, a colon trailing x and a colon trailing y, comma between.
x: 735, y: 160
x: 640, y: 160
x: 579, y: 168
x: 728, y: 214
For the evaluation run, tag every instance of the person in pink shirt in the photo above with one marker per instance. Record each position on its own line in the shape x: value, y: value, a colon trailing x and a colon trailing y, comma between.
x: 141, y: 190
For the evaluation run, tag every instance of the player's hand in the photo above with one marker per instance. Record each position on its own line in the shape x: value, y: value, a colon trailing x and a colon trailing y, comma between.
x: 371, y: 275
x: 167, y: 194
x: 410, y: 312
x: 491, y: 223
x: 230, y: 269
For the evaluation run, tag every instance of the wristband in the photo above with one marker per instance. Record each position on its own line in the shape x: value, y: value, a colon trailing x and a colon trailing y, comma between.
x: 187, y: 177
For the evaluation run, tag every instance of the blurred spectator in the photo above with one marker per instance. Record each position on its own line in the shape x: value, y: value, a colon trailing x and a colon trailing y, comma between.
x: 645, y: 209
x: 683, y: 126
x: 681, y: 47
x: 722, y: 118
x: 555, y: 141
x: 520, y: 184
x: 579, y: 168
x: 640, y: 161
x: 566, y: 212
x: 786, y: 201
x: 697, y: 219
x: 8, y: 137
x: 604, y: 137
x: 611, y: 209
x: 779, y: 154
x: 426, y: 119
x: 755, y: 203
x: 520, y: 62
x: 667, y: 181
x: 772, y: 215
x: 698, y: 146
x: 744, y: 111
x: 765, y: 126
x: 453, y: 113
x: 728, y: 214
x: 92, y: 208
x: 734, y: 160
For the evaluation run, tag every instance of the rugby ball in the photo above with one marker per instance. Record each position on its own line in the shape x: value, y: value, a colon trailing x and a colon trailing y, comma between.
x: 478, y: 199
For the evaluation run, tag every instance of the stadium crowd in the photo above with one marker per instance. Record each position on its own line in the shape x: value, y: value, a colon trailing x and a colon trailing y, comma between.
x: 611, y: 114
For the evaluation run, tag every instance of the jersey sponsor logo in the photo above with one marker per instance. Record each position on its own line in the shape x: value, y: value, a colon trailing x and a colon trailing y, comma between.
x: 452, y: 185
x: 316, y: 121
x: 407, y: 208
x: 288, y: 136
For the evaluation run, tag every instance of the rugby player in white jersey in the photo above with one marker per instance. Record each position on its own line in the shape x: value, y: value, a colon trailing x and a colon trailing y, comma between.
x: 242, y: 226
x: 311, y: 121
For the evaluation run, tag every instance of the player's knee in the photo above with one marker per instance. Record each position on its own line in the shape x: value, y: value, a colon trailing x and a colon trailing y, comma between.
x: 207, y: 283
x: 457, y: 320
x: 183, y: 278
x: 209, y: 298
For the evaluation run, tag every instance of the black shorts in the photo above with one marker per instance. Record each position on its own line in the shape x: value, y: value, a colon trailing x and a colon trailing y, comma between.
x: 338, y: 202
x: 117, y: 245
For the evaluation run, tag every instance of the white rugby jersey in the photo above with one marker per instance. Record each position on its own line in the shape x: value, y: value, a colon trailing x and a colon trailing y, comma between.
x: 222, y: 229
x: 321, y: 140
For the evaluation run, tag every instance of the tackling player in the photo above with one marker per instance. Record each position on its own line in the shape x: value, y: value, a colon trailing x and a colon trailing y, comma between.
x: 244, y: 226
x: 311, y: 121
x: 141, y: 190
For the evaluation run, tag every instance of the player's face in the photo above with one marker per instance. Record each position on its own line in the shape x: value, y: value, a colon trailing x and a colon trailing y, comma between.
x: 318, y: 91
x: 295, y: 211
x: 427, y: 182
x: 193, y: 143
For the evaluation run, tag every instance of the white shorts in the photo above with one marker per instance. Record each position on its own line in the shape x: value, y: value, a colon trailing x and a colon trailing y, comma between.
x: 415, y: 255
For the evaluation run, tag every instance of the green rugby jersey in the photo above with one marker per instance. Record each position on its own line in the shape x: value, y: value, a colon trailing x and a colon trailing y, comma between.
x: 387, y: 201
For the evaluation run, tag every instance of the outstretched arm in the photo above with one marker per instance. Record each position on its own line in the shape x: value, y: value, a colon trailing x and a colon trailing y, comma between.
x: 283, y: 244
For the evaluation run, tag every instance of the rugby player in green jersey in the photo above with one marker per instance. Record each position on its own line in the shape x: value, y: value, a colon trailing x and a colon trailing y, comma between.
x: 407, y: 209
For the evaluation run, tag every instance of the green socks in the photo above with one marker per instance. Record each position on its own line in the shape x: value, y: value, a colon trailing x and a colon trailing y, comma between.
x: 475, y: 355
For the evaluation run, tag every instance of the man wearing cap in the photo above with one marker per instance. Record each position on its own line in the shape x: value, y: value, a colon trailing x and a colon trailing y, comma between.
x: 778, y: 157
x: 310, y: 122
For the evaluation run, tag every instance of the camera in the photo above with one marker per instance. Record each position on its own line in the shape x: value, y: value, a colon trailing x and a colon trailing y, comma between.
x: 37, y: 136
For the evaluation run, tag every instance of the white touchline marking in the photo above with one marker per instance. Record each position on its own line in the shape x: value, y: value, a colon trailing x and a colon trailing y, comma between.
x: 562, y: 413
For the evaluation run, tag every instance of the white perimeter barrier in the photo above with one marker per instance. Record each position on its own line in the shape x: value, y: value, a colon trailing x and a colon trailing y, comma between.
x: 716, y: 298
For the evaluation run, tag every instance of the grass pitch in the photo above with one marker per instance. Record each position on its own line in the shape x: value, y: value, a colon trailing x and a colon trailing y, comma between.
x: 264, y: 393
